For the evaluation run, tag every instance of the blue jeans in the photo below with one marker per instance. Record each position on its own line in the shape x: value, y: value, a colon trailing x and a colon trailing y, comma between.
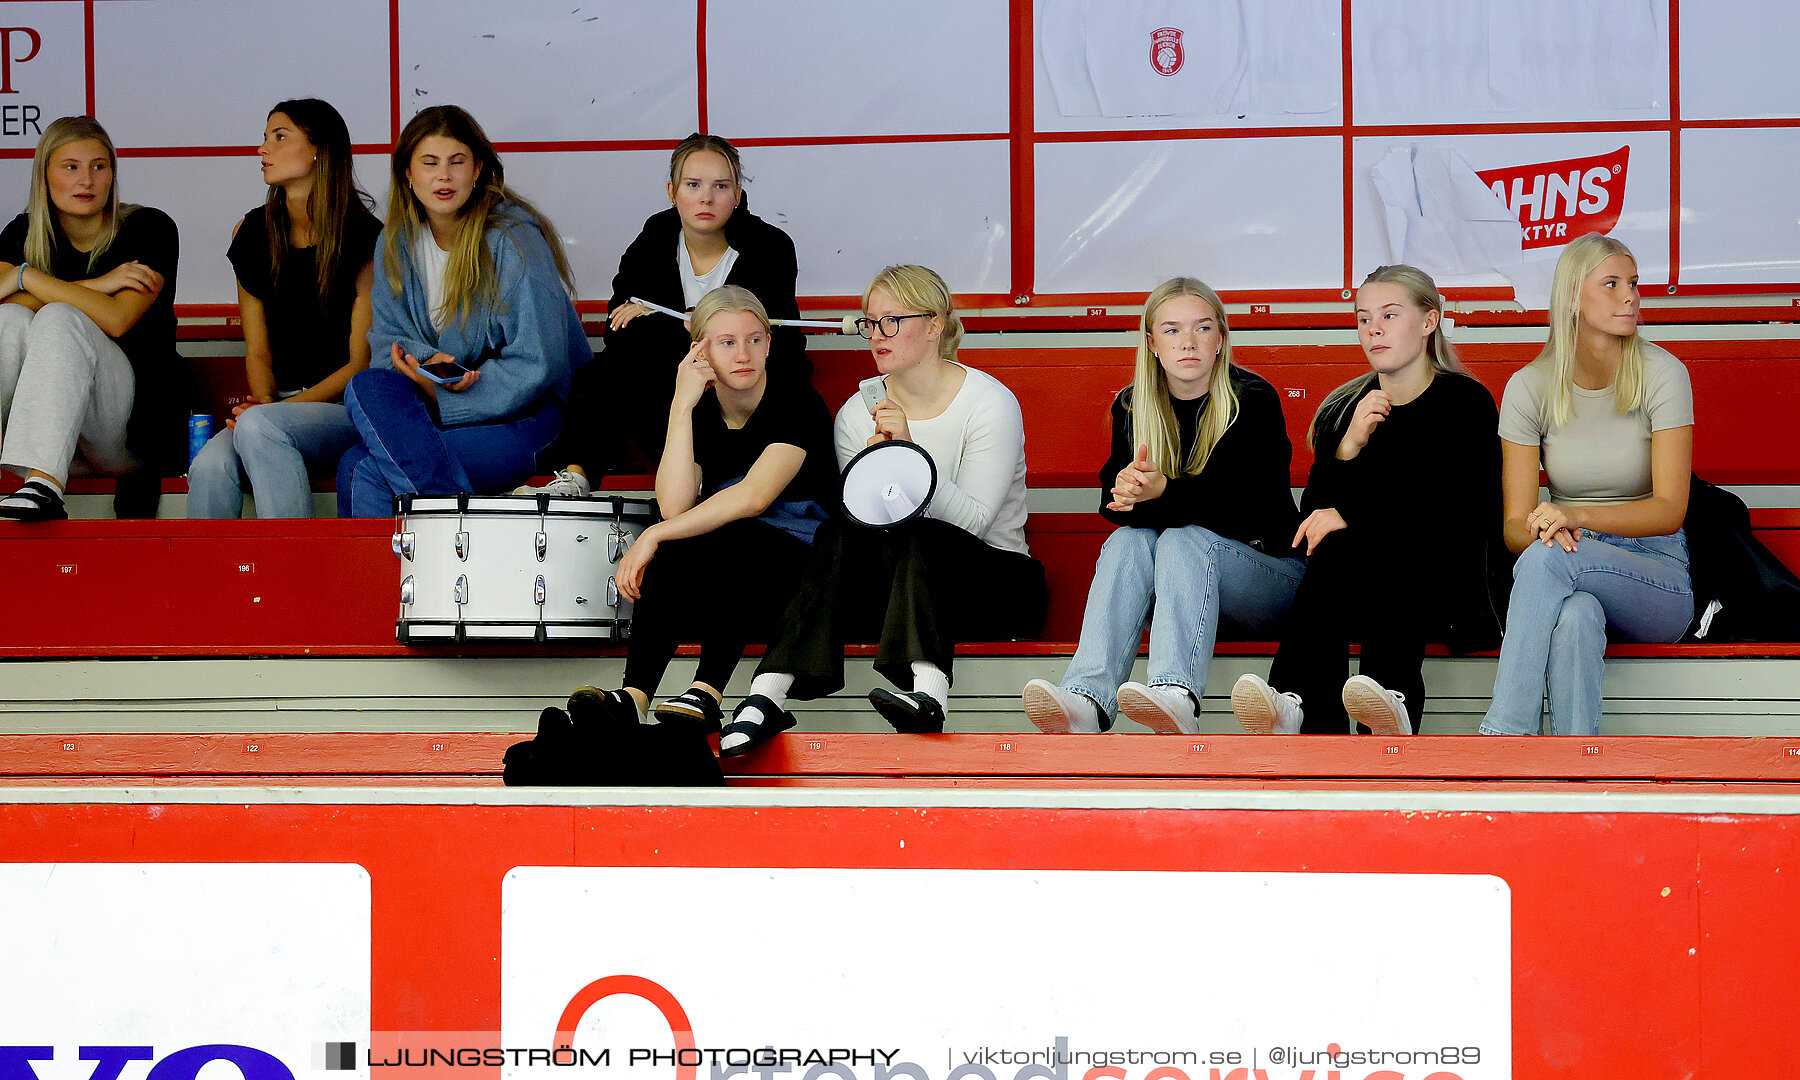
x: 1562, y: 604
x: 405, y: 452
x: 273, y: 451
x: 1192, y: 576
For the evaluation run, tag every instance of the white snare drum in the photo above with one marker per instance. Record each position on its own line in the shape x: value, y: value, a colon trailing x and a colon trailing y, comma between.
x: 514, y: 567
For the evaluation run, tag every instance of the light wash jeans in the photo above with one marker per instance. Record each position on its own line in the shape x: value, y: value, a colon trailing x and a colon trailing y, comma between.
x: 1192, y: 576
x: 404, y: 451
x: 1562, y: 603
x: 63, y: 384
x: 272, y: 451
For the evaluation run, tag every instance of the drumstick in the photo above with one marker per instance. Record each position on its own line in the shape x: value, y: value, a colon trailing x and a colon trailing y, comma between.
x: 846, y: 325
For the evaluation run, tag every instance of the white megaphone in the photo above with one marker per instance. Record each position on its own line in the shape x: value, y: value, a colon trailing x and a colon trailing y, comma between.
x: 888, y: 483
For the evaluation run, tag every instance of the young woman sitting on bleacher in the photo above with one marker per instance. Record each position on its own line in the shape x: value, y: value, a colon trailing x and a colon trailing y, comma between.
x: 87, y: 329
x: 1609, y: 417
x: 1401, y: 510
x: 1197, y: 482
x: 746, y: 474
x: 706, y: 238
x: 304, y: 274
x: 961, y: 570
x: 475, y: 337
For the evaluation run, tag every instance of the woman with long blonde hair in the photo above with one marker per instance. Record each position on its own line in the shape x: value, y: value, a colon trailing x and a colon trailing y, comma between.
x: 475, y: 337
x: 87, y: 332
x: 1197, y: 483
x: 1402, y: 509
x: 1609, y: 418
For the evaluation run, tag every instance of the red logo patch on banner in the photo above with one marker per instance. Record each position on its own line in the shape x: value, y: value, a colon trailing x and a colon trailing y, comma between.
x: 1556, y: 201
x: 1166, y: 53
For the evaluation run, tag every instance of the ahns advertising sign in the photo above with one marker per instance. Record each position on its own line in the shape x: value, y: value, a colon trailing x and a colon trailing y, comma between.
x: 1556, y: 201
x: 851, y: 974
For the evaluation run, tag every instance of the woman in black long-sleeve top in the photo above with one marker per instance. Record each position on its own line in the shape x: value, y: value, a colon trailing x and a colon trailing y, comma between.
x: 706, y: 238
x: 1197, y: 482
x: 1414, y: 434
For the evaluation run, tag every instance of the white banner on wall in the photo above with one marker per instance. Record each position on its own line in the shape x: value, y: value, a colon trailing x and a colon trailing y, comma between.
x: 997, y: 975
x: 43, y: 68
x: 171, y: 970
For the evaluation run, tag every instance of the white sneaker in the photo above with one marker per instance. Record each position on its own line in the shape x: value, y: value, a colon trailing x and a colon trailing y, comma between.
x: 567, y: 484
x: 1262, y: 711
x: 1383, y: 712
x: 1166, y: 710
x: 1056, y: 711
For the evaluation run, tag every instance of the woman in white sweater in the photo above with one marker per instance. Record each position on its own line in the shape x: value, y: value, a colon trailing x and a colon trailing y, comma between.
x: 959, y: 570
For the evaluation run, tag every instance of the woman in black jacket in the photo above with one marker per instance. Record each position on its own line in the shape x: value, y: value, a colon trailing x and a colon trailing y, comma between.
x: 1402, y: 510
x: 706, y: 238
x: 1197, y: 482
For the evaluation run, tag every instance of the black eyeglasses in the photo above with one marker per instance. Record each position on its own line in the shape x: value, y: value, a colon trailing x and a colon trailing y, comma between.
x: 889, y: 324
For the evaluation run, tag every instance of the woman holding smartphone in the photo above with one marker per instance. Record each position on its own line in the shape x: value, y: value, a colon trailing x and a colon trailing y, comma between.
x: 305, y: 272
x: 743, y: 484
x: 87, y: 332
x: 475, y: 337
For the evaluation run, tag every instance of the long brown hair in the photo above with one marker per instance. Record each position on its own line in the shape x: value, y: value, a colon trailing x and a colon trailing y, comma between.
x: 469, y: 275
x: 329, y: 199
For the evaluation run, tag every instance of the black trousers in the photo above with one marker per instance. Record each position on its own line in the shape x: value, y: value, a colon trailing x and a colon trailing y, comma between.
x: 605, y: 435
x: 916, y: 589
x: 1345, y: 597
x: 724, y: 589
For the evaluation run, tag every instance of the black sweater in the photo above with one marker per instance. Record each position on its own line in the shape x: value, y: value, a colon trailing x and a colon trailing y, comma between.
x: 1429, y: 480
x: 766, y: 265
x: 1241, y: 494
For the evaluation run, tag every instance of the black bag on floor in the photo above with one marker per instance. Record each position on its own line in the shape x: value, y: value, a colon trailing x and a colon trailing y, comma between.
x: 1758, y: 598
x: 603, y: 745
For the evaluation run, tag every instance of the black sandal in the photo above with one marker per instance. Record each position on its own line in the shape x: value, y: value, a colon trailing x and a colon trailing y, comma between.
x: 911, y: 713
x: 775, y: 721
x: 43, y: 504
x: 692, y: 705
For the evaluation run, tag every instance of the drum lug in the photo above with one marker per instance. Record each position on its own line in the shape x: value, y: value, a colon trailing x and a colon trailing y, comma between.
x: 619, y: 543
x: 538, y: 590
x: 406, y: 591
x: 582, y: 600
x: 612, y: 592
x: 543, y: 545
x: 462, y: 546
x: 462, y: 589
x: 403, y: 545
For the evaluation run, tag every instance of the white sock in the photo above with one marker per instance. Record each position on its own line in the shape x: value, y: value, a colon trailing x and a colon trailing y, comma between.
x: 50, y: 487
x: 931, y: 682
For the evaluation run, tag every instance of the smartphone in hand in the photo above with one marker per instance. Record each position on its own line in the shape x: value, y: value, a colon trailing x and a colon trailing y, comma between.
x: 873, y: 391
x: 443, y: 373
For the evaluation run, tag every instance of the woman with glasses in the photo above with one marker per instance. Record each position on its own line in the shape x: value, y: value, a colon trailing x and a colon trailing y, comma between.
x: 1197, y: 483
x: 959, y: 570
x: 706, y: 238
x: 475, y: 336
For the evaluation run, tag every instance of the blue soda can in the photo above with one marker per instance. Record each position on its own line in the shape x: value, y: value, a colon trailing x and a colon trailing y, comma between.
x: 200, y: 429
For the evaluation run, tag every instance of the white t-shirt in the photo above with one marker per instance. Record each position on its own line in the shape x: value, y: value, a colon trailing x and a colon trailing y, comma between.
x: 978, y: 447
x: 694, y: 286
x: 432, y: 260
x: 1599, y: 457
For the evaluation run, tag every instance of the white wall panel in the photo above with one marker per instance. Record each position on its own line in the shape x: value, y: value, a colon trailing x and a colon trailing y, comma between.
x: 206, y: 72
x: 1740, y: 207
x: 598, y: 202
x: 1737, y: 59
x: 1238, y: 213
x: 800, y: 68
x: 532, y: 70
x: 855, y: 209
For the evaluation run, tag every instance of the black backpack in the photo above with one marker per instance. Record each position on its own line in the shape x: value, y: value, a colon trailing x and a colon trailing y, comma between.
x: 601, y: 744
x: 1757, y: 598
